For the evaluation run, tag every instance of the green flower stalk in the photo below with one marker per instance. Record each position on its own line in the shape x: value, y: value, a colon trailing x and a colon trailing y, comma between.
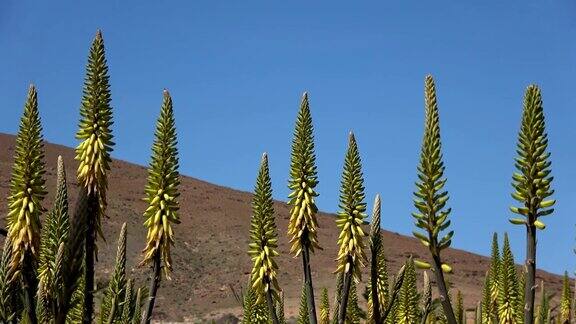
x: 532, y: 185
x: 56, y: 227
x: 489, y: 303
x: 303, y: 312
x: 430, y: 198
x: 573, y: 312
x: 390, y: 312
x: 162, y: 188
x: 94, y: 131
x: 478, y: 313
x: 378, y: 289
x: 280, y: 309
x: 52, y: 253
x: 161, y: 196
x: 486, y: 314
x: 111, y: 307
x: 27, y: 188
x: 129, y: 303
x: 303, y: 225
x: 93, y: 154
x: 254, y: 313
x: 543, y: 314
x: 520, y: 291
x: 408, y: 311
x: 137, y: 315
x: 353, y: 313
x: 508, y: 297
x: 27, y: 191
x: 325, y: 308
x: 338, y: 297
x: 566, y: 300
x: 460, y: 315
x: 8, y: 293
x: 264, y: 240
x: 351, y: 254
x: 247, y: 303
x: 494, y: 277
x: 426, y: 299
x: 72, y: 304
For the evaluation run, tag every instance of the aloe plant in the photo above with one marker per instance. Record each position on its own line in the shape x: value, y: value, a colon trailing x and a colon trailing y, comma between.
x: 408, y: 310
x: 426, y: 299
x: 478, y: 313
x: 264, y: 241
x: 47, y: 275
x: 531, y: 185
x: 280, y: 309
x: 390, y: 313
x: 543, y: 313
x: 325, y: 308
x: 55, y: 301
x: 508, y: 296
x: 246, y: 296
x: 72, y: 306
x: 353, y: 312
x: 566, y: 300
x: 161, y: 196
x: 112, y: 305
x: 460, y: 314
x: 303, y: 312
x: 138, y: 305
x: 351, y: 253
x: 129, y: 303
x: 303, y: 225
x: 254, y: 312
x: 520, y: 291
x: 494, y: 277
x: 430, y: 198
x: 52, y: 253
x: 378, y: 273
x: 484, y: 313
x: 27, y: 191
x: 489, y: 304
x: 93, y: 154
x: 338, y: 297
x: 573, y: 313
x: 382, y: 294
x: 8, y: 292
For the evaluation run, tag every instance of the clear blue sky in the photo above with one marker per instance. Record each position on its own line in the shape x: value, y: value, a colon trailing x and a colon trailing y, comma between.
x: 236, y: 71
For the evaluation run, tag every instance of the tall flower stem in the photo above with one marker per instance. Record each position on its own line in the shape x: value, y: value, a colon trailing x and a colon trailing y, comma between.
x: 161, y: 194
x: 154, y: 283
x: 531, y: 185
x: 350, y: 217
x: 93, y: 154
x: 430, y: 198
x: 303, y: 225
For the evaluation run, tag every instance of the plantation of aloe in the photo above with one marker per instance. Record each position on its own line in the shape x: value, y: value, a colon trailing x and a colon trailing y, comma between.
x: 48, y: 262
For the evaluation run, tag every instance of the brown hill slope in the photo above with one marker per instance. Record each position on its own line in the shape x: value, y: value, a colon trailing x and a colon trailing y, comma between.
x: 210, y: 252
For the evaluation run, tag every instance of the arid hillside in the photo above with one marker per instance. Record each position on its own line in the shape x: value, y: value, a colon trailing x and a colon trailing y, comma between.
x: 210, y: 253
